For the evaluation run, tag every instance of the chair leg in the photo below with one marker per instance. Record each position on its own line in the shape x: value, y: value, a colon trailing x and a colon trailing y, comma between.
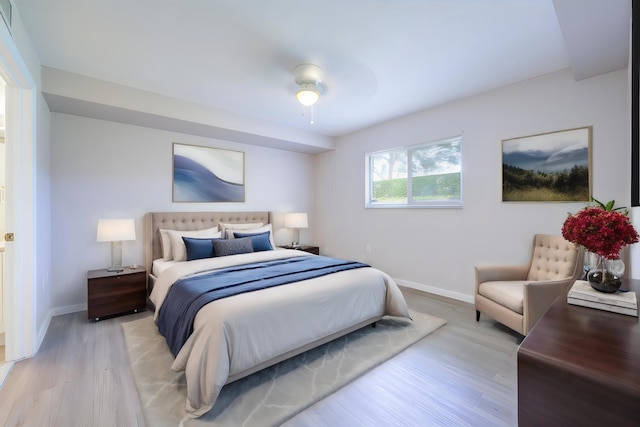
x: 477, y: 316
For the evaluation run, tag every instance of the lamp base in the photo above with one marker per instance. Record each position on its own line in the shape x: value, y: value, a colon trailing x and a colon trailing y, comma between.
x: 116, y: 257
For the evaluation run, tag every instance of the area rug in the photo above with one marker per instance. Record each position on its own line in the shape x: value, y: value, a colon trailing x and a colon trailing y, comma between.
x: 275, y: 394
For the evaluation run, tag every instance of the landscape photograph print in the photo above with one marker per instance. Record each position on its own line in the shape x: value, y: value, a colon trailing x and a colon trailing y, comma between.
x: 550, y: 167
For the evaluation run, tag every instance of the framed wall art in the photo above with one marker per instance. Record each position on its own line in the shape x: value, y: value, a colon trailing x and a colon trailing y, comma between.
x: 207, y: 175
x: 550, y: 167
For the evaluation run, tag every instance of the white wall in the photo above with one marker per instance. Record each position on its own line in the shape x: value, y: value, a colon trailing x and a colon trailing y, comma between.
x: 436, y: 249
x: 103, y: 169
x: 43, y: 216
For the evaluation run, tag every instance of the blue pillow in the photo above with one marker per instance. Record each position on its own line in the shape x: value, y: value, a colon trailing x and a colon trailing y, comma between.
x: 224, y: 247
x: 260, y: 241
x: 198, y: 248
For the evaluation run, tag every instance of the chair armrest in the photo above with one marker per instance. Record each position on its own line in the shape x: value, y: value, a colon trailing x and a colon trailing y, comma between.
x: 493, y: 273
x: 538, y: 297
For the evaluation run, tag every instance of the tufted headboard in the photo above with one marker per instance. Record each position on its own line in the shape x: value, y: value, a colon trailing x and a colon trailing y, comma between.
x: 153, y: 221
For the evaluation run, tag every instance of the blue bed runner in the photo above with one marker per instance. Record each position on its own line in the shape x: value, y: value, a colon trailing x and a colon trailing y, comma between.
x: 188, y: 295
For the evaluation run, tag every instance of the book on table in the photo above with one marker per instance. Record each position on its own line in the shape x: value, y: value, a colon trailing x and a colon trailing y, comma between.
x: 581, y: 293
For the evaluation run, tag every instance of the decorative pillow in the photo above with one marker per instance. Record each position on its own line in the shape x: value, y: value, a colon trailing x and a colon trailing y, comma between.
x: 260, y: 241
x: 223, y: 247
x: 268, y: 227
x: 178, y: 249
x: 198, y: 248
x: 224, y: 226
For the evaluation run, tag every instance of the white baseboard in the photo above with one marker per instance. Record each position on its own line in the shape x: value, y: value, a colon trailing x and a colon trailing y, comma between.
x: 55, y: 312
x: 41, y: 333
x: 68, y: 309
x: 436, y: 291
x: 5, y: 368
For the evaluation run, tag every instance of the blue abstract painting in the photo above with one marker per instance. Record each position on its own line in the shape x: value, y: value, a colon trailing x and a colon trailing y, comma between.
x: 207, y: 175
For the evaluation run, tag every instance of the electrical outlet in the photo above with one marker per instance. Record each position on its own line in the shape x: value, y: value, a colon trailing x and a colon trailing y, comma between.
x: 368, y: 248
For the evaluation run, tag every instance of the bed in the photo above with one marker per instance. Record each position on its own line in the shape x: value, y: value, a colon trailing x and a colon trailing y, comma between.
x: 238, y: 335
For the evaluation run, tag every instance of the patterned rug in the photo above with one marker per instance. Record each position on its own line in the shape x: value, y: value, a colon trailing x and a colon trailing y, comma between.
x: 275, y: 394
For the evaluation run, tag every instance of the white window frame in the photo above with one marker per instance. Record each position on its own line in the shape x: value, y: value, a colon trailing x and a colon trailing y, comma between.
x: 450, y: 203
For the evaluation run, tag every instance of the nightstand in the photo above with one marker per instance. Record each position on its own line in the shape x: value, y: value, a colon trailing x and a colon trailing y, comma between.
x: 113, y: 293
x: 311, y: 249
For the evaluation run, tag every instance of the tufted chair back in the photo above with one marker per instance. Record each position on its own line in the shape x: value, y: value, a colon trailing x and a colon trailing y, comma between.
x: 553, y: 258
x: 518, y: 296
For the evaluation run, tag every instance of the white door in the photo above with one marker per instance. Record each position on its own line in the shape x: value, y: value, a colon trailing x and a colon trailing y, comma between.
x: 2, y: 207
x: 19, y: 256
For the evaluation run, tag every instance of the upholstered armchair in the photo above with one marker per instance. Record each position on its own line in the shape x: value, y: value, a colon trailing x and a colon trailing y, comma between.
x: 518, y: 296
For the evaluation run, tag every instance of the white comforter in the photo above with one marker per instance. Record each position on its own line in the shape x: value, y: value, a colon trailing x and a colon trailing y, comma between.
x: 235, y: 334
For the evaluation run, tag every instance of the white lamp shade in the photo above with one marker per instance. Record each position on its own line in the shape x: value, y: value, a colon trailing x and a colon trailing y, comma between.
x: 113, y: 230
x: 296, y: 220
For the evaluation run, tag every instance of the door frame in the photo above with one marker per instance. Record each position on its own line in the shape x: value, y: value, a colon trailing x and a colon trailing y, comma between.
x: 20, y: 297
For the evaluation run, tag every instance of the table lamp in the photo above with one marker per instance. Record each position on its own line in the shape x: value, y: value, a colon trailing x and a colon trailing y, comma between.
x: 297, y: 221
x: 115, y: 231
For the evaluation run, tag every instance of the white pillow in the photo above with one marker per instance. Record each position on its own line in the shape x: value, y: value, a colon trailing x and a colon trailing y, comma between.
x: 165, y: 244
x: 178, y: 249
x: 268, y: 227
x: 233, y: 226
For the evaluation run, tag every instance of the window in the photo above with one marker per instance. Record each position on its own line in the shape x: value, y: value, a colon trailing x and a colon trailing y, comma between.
x: 425, y: 175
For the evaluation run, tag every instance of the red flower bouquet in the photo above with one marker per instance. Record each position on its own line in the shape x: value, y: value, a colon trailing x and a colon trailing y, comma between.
x: 601, y: 231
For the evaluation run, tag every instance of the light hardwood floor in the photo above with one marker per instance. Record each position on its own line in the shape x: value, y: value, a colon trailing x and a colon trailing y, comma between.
x: 463, y: 374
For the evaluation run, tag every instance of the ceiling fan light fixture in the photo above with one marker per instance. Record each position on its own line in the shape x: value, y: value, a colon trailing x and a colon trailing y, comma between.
x: 308, y: 78
x: 308, y: 94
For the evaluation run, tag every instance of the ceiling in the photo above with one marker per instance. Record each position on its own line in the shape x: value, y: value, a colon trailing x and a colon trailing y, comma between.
x: 381, y: 59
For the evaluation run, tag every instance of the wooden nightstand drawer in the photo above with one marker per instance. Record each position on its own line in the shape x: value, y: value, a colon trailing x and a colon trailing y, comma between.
x: 307, y: 248
x: 110, y: 294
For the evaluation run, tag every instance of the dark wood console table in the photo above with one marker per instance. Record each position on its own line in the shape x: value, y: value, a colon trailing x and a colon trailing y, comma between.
x: 580, y: 367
